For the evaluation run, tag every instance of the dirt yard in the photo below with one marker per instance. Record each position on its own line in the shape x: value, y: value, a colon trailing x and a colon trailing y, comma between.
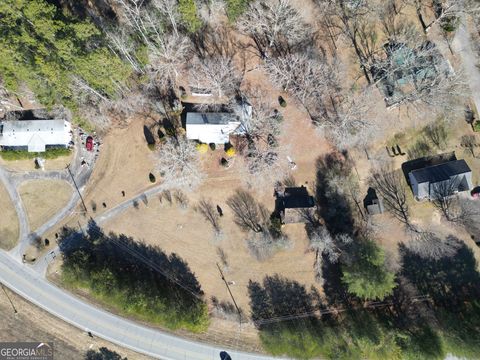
x: 8, y: 221
x: 33, y: 324
x: 188, y: 234
x: 43, y: 198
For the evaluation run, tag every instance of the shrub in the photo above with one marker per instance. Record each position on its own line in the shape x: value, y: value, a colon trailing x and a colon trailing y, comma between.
x: 235, y: 8
x: 224, y: 162
x: 476, y: 126
x: 10, y: 155
x: 449, y: 24
x: 202, y: 148
x: 230, y: 152
x: 282, y: 101
x: 151, y: 147
x: 189, y: 15
x: 152, y: 178
x: 212, y: 146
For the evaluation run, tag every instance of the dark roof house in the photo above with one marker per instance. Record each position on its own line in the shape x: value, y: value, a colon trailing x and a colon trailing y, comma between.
x: 291, y: 201
x: 428, y: 181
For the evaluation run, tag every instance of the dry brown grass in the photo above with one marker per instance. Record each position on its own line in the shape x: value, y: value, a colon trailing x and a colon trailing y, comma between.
x: 124, y: 163
x: 8, y: 221
x: 43, y: 198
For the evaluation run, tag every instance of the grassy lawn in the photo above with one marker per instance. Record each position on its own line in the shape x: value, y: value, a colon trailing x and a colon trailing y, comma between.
x: 10, y: 155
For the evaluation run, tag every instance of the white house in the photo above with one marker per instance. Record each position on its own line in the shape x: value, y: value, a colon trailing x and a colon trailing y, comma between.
x: 211, y: 127
x: 34, y: 135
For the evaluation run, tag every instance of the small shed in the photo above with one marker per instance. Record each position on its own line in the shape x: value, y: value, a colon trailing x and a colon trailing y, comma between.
x: 372, y: 203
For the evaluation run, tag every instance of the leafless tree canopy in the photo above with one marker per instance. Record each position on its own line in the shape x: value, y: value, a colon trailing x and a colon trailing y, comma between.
x: 249, y: 215
x: 210, y: 213
x: 167, y: 58
x: 430, y: 246
x: 390, y: 186
x: 445, y: 199
x: 179, y: 164
x: 275, y: 26
x: 308, y: 77
x: 217, y: 74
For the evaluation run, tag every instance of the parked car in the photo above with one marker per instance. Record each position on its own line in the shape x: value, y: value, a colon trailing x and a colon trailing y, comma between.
x: 89, y: 143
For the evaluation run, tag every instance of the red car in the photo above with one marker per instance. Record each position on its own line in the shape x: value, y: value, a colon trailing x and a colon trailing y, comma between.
x: 89, y: 143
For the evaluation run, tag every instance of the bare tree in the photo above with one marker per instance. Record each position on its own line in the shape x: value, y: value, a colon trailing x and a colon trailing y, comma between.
x: 353, y: 120
x: 308, y: 77
x: 437, y: 133
x: 265, y: 164
x: 169, y: 9
x: 179, y: 164
x: 180, y: 198
x: 210, y: 213
x: 469, y: 142
x: 122, y: 44
x: 353, y: 20
x: 260, y: 126
x: 322, y: 243
x: 217, y: 74
x: 5, y: 99
x: 263, y: 245
x: 275, y: 26
x: 422, y: 80
x: 258, y: 118
x: 451, y: 10
x: 428, y: 245
x: 249, y: 215
x: 390, y: 185
x: 445, y: 200
x: 167, y: 57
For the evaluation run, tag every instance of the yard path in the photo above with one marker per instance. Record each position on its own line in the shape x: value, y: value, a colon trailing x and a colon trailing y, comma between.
x: 13, y: 180
x: 462, y: 45
x: 42, y: 263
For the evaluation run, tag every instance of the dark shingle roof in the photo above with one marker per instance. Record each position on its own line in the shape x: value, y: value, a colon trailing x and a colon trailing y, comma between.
x: 297, y: 197
x: 441, y: 172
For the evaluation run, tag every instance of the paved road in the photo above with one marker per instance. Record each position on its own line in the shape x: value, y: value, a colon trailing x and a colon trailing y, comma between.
x: 28, y: 283
x: 463, y: 46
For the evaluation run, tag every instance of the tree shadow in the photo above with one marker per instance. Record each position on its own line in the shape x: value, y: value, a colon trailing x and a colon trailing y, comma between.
x: 142, y: 273
x: 453, y: 287
x: 335, y: 291
x: 214, y: 42
x: 149, y: 138
x: 279, y: 297
x: 333, y: 206
x: 97, y: 8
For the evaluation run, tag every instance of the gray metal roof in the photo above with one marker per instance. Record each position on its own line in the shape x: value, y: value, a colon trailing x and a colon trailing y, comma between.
x: 441, y: 172
x: 210, y: 118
